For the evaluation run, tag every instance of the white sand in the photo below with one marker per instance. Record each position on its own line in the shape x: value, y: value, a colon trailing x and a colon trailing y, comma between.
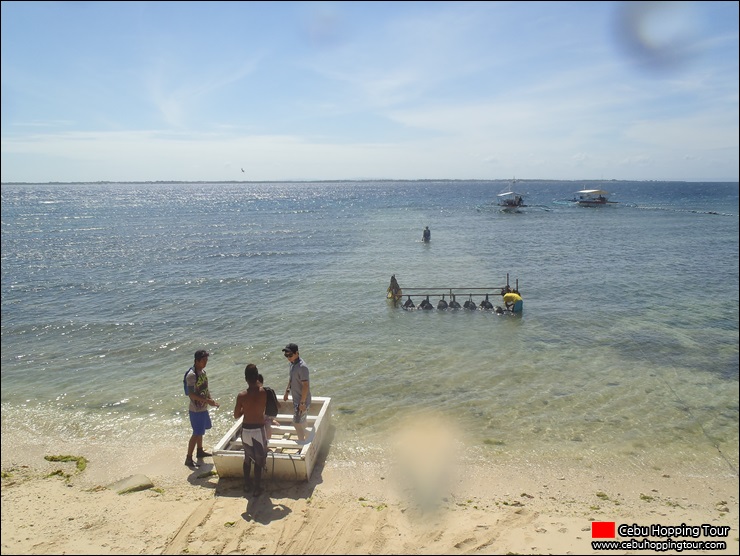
x: 348, y: 507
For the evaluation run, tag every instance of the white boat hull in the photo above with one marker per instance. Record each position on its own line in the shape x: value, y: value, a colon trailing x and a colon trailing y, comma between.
x: 288, y: 459
x: 593, y: 198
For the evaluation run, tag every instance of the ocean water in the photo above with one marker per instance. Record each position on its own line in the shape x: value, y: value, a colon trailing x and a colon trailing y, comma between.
x: 626, y: 351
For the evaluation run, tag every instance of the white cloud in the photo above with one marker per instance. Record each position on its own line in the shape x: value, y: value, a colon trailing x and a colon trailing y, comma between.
x: 304, y: 91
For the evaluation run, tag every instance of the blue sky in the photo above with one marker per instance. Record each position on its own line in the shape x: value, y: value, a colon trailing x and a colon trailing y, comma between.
x: 198, y: 91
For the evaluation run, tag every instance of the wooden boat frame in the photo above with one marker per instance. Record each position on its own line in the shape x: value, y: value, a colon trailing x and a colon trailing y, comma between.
x: 288, y: 459
x: 451, y: 292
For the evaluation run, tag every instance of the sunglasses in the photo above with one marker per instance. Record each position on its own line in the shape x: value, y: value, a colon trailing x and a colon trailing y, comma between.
x: 288, y: 353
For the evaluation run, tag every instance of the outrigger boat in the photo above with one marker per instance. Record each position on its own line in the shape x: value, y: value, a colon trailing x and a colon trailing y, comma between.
x: 510, y: 201
x: 593, y: 198
x: 287, y: 458
x: 395, y: 294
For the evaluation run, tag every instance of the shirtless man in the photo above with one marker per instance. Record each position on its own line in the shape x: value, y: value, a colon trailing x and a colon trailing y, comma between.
x: 250, y: 406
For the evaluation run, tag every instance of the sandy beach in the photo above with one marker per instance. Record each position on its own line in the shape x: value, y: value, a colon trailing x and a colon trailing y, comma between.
x: 347, y: 507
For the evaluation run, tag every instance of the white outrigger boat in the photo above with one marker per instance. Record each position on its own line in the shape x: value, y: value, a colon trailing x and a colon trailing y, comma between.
x: 288, y: 459
x: 510, y: 201
x: 593, y: 198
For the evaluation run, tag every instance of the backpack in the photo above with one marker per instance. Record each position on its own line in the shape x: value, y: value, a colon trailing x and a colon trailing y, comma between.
x: 185, y: 382
x: 271, y: 409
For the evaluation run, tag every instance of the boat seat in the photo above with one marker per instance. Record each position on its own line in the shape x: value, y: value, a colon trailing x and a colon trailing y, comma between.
x: 275, y: 443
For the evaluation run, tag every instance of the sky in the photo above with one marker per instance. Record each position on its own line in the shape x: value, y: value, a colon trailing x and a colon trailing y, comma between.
x: 277, y: 91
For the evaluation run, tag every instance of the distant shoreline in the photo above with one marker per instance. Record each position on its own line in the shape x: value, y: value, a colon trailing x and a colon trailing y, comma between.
x: 358, y: 180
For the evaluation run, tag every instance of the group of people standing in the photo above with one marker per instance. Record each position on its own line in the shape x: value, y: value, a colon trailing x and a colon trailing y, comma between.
x: 253, y: 406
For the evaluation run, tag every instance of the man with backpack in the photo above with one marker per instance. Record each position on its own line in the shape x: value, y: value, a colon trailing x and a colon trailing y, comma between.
x: 271, y: 409
x: 196, y: 382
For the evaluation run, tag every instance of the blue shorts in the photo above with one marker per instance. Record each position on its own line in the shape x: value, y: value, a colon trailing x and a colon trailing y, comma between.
x: 200, y: 421
x: 517, y: 307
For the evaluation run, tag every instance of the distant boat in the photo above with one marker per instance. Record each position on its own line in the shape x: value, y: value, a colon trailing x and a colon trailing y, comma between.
x: 510, y: 201
x: 593, y: 198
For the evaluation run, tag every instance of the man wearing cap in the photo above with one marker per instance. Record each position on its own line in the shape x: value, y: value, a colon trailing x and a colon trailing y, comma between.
x: 299, y: 389
x: 200, y: 399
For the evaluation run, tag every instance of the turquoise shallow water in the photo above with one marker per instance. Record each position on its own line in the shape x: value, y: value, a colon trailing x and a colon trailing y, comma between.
x: 627, y: 347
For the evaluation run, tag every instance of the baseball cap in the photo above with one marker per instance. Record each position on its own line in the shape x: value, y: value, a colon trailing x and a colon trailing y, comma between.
x: 291, y: 347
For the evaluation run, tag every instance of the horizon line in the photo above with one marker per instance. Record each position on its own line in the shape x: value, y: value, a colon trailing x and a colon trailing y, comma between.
x: 612, y: 180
